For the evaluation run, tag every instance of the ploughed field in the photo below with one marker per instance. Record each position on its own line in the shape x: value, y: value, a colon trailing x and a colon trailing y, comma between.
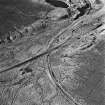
x: 52, y: 52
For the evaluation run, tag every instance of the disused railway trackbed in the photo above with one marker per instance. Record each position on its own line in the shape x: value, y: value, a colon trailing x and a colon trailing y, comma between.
x: 49, y: 50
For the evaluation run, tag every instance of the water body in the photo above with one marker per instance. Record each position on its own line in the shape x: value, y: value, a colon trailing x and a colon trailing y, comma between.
x: 57, y: 3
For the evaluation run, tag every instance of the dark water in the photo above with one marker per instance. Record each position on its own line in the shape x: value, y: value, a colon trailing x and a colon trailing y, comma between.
x: 57, y: 3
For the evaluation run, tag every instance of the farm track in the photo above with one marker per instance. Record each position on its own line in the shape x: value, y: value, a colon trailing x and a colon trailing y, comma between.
x: 49, y: 49
x: 65, y: 35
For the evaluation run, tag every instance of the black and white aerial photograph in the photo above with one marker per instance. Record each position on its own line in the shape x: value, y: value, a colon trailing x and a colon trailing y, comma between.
x: 52, y: 52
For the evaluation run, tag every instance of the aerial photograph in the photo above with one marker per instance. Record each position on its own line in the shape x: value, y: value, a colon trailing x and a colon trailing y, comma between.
x: 52, y: 52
